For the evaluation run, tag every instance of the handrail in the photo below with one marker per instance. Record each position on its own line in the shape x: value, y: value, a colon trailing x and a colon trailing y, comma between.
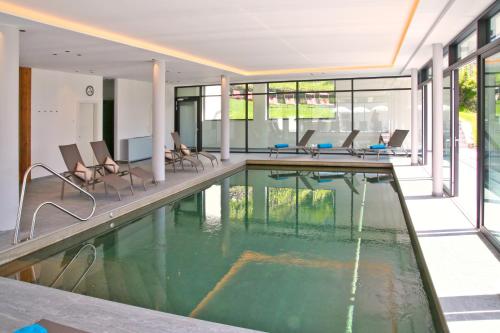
x: 33, y: 220
x: 94, y: 250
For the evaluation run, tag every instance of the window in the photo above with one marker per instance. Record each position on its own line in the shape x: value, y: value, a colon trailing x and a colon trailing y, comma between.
x: 317, y: 85
x: 383, y: 83
x: 494, y: 27
x: 237, y: 89
x: 282, y: 106
x: 279, y: 87
x: 317, y: 105
x: 467, y: 46
x: 211, y: 90
x: 188, y: 91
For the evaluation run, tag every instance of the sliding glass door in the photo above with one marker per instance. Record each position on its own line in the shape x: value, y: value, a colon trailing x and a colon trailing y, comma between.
x: 491, y: 147
x: 448, y: 136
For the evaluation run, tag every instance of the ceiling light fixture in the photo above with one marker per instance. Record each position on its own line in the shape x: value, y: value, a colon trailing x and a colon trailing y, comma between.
x: 59, y: 22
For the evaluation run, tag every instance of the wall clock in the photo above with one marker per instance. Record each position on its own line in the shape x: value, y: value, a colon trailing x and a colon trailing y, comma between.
x: 89, y: 91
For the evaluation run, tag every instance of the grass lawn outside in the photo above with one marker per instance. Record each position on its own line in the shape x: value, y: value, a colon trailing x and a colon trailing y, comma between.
x: 276, y: 111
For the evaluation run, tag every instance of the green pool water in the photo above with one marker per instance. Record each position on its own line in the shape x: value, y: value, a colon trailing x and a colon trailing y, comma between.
x: 272, y: 250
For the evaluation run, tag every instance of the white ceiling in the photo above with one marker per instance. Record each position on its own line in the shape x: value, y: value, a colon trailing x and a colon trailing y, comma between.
x: 254, y: 36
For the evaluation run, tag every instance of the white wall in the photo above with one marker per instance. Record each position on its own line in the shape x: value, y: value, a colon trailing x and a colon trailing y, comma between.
x: 133, y: 111
x: 55, y: 99
x: 9, y: 125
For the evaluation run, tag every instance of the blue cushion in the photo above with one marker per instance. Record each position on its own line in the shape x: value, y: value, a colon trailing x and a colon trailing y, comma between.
x: 325, y: 145
x: 35, y: 328
x: 281, y: 145
x: 378, y: 146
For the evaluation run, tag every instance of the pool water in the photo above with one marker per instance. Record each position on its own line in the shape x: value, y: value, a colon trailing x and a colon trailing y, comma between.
x: 272, y: 250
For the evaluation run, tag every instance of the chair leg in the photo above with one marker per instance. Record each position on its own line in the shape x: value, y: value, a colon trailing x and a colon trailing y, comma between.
x: 131, y: 178
x: 62, y: 190
x: 132, y: 190
x: 106, y: 188
x: 144, y: 185
x: 119, y: 196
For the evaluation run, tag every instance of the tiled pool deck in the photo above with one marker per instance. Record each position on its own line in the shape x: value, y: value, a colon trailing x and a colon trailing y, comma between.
x: 463, y: 266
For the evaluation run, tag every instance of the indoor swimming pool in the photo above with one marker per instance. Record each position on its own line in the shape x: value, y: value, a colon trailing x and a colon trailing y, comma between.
x: 277, y: 250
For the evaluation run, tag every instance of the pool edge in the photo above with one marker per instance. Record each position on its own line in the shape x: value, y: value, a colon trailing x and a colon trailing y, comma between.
x: 434, y: 304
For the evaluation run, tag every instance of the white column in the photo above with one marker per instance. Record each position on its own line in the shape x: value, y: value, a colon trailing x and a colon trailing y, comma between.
x: 9, y: 126
x: 224, y: 118
x: 159, y: 120
x: 414, y: 116
x: 437, y: 120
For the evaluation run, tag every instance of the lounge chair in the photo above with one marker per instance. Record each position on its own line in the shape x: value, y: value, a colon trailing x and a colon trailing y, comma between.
x: 111, y: 166
x: 183, y: 154
x: 393, y: 146
x: 346, y: 145
x: 85, y: 176
x: 301, y: 145
x: 171, y: 157
x: 184, y: 150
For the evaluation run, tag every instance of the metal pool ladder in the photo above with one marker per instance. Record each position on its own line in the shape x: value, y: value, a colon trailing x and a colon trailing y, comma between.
x: 47, y: 203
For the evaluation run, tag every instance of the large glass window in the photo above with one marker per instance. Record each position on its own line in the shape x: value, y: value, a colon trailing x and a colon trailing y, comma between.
x: 494, y: 27
x: 447, y: 132
x: 383, y: 83
x: 492, y: 144
x: 420, y: 108
x: 380, y: 113
x: 333, y: 129
x: 467, y: 46
x: 264, y: 114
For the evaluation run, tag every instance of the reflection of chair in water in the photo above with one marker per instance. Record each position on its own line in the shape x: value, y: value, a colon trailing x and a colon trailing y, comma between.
x: 329, y: 176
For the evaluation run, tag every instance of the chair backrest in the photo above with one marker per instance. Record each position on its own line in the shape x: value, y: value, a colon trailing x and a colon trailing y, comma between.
x: 177, y: 140
x: 101, y: 151
x: 397, y: 138
x: 305, y: 138
x: 350, y: 138
x: 71, y: 156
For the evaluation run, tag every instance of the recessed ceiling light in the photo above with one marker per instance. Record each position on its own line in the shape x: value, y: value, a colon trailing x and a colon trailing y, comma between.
x: 67, y: 51
x: 22, y: 30
x: 178, y: 72
x: 78, y: 55
x: 54, y: 54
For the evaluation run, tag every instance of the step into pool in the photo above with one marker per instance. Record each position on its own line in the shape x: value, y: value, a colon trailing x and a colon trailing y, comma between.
x: 277, y: 250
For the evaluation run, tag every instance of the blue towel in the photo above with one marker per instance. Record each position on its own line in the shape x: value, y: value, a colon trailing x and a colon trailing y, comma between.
x: 35, y: 328
x: 281, y: 145
x: 378, y: 146
x: 325, y: 145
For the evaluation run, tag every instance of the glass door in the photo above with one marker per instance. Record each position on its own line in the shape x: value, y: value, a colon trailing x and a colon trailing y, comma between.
x: 491, y: 143
x: 188, y: 121
x: 448, y: 136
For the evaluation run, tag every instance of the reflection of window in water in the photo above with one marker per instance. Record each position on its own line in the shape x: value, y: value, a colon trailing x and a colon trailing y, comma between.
x: 314, y: 206
x: 238, y: 203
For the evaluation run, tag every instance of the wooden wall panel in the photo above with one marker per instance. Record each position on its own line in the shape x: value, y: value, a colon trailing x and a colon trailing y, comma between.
x: 24, y: 120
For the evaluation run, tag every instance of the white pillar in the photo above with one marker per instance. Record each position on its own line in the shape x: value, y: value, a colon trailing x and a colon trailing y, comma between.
x: 9, y: 126
x: 159, y: 120
x: 437, y: 120
x: 224, y: 118
x: 414, y: 116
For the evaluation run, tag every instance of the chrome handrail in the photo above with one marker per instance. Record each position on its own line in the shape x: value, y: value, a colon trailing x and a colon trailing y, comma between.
x: 94, y: 250
x: 33, y: 220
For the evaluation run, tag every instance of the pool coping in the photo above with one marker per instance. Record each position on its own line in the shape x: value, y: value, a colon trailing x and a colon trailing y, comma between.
x: 107, y: 220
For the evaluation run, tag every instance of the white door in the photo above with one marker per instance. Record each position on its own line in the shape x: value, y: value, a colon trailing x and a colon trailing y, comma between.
x: 85, y: 131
